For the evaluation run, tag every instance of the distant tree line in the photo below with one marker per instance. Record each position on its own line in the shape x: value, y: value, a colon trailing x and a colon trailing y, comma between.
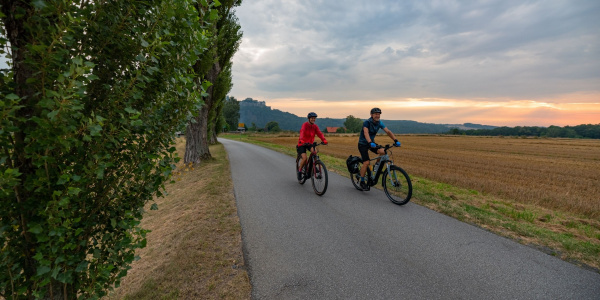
x: 589, y: 131
x: 260, y: 116
x: 231, y: 113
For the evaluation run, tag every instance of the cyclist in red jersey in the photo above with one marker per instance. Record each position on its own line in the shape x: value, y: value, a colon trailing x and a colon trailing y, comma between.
x: 307, y: 136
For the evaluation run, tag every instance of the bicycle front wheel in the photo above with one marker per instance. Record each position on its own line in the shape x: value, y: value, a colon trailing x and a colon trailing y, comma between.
x: 397, y: 185
x: 303, y: 178
x: 319, y: 178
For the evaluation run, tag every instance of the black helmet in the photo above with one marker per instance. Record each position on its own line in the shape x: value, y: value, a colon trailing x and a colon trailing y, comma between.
x: 375, y: 111
x: 311, y: 114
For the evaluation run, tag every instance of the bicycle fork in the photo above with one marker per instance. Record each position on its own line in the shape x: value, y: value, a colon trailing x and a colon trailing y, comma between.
x: 392, y: 176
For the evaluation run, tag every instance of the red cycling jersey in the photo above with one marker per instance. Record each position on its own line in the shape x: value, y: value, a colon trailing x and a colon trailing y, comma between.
x: 307, y: 134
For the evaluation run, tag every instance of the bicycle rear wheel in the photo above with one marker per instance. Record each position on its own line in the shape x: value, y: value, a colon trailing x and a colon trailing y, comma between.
x: 355, y: 178
x: 319, y: 178
x: 301, y: 181
x: 397, y: 185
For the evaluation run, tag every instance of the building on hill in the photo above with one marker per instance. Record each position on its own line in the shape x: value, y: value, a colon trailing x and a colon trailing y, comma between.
x: 249, y: 102
x: 257, y: 112
x: 331, y: 129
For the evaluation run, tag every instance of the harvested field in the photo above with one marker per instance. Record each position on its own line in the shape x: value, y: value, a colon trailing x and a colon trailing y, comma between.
x: 559, y: 174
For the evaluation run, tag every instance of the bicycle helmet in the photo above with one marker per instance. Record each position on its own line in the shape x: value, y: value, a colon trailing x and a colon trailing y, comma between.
x: 311, y: 115
x: 375, y: 111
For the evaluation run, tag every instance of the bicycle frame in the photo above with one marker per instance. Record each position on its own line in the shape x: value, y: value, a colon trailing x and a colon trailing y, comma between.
x: 310, y: 161
x: 383, y: 159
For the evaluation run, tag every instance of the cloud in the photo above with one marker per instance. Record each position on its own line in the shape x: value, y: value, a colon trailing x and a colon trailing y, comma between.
x: 346, y: 50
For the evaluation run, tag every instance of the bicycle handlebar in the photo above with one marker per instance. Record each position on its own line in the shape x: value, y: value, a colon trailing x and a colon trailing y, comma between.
x: 386, y: 147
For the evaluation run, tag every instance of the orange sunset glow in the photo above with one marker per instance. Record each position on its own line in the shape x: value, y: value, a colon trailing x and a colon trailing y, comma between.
x: 449, y: 111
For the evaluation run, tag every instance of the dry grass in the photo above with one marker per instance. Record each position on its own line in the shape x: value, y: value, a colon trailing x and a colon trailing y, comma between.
x: 561, y: 174
x: 194, y: 248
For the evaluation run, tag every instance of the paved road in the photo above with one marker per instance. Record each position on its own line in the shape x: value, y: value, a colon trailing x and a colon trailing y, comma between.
x: 349, y: 244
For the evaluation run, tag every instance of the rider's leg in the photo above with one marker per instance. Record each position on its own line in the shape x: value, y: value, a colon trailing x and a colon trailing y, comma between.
x: 364, y: 154
x: 302, y: 161
x: 363, y: 170
x: 363, y: 173
x: 381, y: 152
x: 302, y: 152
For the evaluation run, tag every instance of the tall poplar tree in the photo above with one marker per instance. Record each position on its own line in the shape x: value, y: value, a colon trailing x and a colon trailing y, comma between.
x: 88, y: 108
x: 214, y: 67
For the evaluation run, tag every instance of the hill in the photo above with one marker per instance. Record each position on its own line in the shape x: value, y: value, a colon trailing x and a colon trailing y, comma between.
x: 257, y: 112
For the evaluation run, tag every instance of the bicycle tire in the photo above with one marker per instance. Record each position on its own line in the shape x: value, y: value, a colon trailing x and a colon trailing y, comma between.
x: 319, y: 178
x: 301, y: 181
x: 355, y: 178
x: 399, y: 187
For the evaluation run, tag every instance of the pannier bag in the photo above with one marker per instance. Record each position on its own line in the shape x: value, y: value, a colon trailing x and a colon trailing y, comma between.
x: 353, y: 164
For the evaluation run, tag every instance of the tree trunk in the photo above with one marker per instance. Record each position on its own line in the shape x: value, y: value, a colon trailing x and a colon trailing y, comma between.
x: 192, y: 140
x: 213, y: 137
x: 196, y: 144
x: 17, y: 34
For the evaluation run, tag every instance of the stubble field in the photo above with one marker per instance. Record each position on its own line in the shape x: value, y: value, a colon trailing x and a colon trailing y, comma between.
x: 553, y: 173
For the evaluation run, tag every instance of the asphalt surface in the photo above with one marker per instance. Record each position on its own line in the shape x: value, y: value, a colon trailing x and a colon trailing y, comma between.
x: 349, y: 244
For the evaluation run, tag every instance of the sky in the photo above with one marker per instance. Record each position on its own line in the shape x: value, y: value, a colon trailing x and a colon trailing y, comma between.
x: 502, y: 63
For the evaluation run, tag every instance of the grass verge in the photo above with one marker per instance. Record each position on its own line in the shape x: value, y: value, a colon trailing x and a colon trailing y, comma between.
x: 571, y: 237
x: 194, y: 249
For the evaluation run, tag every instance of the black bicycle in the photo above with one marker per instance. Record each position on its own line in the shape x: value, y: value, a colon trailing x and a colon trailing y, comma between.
x: 315, y: 169
x: 395, y: 180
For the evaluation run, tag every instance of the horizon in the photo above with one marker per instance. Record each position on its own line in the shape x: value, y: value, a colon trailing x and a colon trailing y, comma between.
x: 338, y: 116
x: 507, y: 63
x: 344, y: 113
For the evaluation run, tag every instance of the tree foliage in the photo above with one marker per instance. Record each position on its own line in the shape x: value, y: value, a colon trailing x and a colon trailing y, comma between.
x: 253, y: 127
x: 353, y: 124
x: 214, y: 67
x: 589, y: 131
x: 228, y: 43
x: 231, y: 112
x: 88, y: 109
x: 272, y: 127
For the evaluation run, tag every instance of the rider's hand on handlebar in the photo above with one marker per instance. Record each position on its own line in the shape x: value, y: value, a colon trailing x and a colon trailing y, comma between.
x: 373, y: 145
x: 324, y: 142
x: 397, y: 143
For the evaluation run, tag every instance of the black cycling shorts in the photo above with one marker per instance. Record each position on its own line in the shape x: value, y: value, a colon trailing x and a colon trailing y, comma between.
x: 303, y: 149
x: 364, y: 152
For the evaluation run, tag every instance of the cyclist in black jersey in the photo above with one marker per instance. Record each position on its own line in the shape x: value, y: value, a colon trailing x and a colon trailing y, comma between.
x: 366, y: 141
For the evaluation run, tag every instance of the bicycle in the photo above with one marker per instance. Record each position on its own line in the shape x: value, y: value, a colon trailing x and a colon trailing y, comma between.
x: 315, y: 169
x: 395, y: 181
